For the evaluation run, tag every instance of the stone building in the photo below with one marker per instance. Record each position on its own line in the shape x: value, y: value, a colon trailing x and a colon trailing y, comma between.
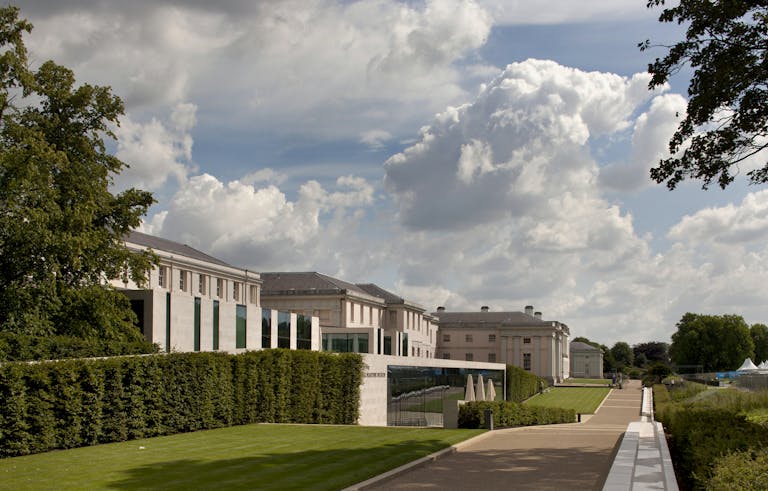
x: 586, y: 360
x: 523, y: 339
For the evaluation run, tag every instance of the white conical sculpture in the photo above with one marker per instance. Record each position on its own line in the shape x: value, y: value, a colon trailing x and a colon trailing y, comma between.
x: 469, y: 394
x: 480, y: 392
x: 490, y: 391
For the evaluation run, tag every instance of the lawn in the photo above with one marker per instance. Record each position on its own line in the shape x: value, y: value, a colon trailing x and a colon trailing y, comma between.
x: 596, y: 381
x: 238, y: 457
x: 584, y: 400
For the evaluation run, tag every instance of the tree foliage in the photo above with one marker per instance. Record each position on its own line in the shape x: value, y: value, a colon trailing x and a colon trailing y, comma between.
x: 759, y: 334
x: 61, y: 229
x: 654, y: 351
x: 716, y: 342
x: 726, y: 121
x: 622, y: 354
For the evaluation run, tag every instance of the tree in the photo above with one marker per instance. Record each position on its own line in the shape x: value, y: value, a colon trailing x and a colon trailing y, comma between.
x: 716, y: 342
x: 654, y: 351
x: 759, y: 334
x: 726, y: 121
x: 61, y: 229
x: 622, y: 354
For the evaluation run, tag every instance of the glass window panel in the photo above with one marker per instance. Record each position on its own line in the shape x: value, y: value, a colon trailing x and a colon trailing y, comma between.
x: 240, y: 326
x: 266, y: 328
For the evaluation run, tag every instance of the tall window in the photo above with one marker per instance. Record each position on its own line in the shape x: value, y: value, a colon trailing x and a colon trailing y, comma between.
x: 197, y: 324
x: 240, y: 325
x: 404, y: 351
x: 266, y: 328
x: 283, y: 329
x: 491, y: 338
x: 219, y: 287
x: 303, y: 332
x: 201, y: 287
x: 235, y: 291
x: 527, y: 361
x: 182, y: 280
x: 162, y: 276
x: 468, y: 338
x: 387, y: 345
x: 492, y: 357
x: 215, y: 324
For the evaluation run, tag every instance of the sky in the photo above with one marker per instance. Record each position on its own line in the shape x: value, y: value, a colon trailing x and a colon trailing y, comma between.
x: 459, y: 153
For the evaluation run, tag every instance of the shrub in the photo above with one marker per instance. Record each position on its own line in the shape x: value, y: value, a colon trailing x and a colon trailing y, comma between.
x: 522, y: 384
x: 23, y: 347
x: 72, y: 403
x: 740, y: 471
x: 511, y: 414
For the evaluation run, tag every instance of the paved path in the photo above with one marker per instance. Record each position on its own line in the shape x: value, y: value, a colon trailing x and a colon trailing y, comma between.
x: 573, y: 456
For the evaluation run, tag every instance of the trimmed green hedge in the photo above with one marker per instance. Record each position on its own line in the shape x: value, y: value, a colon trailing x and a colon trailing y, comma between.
x: 22, y: 347
x: 510, y: 414
x: 522, y: 384
x: 75, y: 403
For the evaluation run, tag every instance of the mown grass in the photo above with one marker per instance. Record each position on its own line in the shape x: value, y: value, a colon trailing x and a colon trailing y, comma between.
x: 596, y: 381
x: 311, y: 457
x: 584, y: 400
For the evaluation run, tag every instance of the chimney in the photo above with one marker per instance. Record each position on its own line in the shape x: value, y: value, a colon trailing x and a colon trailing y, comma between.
x: 484, y: 308
x: 537, y: 315
x: 441, y: 309
x: 529, y: 310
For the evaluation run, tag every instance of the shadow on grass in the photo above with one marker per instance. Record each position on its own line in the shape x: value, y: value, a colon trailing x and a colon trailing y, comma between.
x: 315, y: 470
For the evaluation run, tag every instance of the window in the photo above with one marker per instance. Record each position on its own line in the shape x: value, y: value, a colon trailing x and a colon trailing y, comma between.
x: 283, y: 329
x: 446, y: 356
x: 254, y: 294
x: 446, y: 338
x: 241, y: 313
x: 526, y: 340
x: 469, y: 356
x: 404, y: 351
x: 491, y: 357
x: 527, y: 361
x: 235, y: 291
x: 201, y: 280
x: 387, y: 345
x: 468, y: 338
x: 215, y: 325
x: 303, y: 332
x: 197, y: 324
x: 346, y: 343
x: 162, y: 276
x: 183, y: 280
x: 491, y: 338
x: 219, y: 287
x: 266, y: 328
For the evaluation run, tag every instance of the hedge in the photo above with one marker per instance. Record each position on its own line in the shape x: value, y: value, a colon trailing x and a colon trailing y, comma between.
x: 522, y: 384
x: 22, y: 347
x: 510, y: 414
x: 73, y: 403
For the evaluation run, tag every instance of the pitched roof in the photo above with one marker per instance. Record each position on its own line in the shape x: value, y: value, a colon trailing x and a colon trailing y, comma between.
x: 165, y: 245
x: 377, y: 291
x: 579, y: 346
x: 504, y: 318
x: 310, y: 282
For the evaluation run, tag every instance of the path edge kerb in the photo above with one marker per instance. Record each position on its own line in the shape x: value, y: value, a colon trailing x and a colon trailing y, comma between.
x: 429, y: 458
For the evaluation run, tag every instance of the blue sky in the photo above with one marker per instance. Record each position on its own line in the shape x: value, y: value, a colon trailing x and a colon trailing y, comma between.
x: 458, y: 152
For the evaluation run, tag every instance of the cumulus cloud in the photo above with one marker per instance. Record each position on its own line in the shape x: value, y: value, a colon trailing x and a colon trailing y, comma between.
x: 730, y: 224
x: 304, y: 61
x: 155, y: 151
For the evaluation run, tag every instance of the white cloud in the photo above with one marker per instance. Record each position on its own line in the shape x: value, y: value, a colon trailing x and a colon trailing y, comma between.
x: 368, y: 63
x: 155, y: 151
x: 375, y: 139
x: 730, y: 224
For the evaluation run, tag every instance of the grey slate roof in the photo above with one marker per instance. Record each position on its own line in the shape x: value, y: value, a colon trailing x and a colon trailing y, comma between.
x: 496, y: 318
x: 160, y: 244
x: 377, y: 291
x: 579, y: 346
x: 310, y: 282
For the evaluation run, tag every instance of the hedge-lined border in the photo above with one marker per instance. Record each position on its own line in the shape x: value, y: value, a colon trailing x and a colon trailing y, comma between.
x: 522, y: 385
x: 511, y: 414
x: 74, y: 403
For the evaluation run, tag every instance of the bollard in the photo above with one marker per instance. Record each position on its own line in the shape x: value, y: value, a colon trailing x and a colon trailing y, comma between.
x: 489, y: 419
x: 579, y: 417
